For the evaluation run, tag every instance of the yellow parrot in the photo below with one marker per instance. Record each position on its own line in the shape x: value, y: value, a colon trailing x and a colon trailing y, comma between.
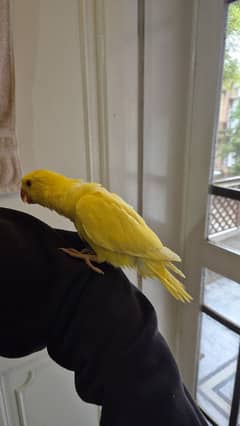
x: 112, y: 228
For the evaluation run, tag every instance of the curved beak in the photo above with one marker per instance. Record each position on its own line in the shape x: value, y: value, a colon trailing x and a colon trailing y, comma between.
x: 25, y: 197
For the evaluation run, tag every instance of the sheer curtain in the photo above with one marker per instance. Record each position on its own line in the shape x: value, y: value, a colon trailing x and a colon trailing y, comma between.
x: 10, y: 170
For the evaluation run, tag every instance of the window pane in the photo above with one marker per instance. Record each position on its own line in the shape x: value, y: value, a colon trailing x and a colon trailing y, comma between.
x: 222, y: 295
x: 227, y: 155
x: 216, y: 370
x: 224, y: 222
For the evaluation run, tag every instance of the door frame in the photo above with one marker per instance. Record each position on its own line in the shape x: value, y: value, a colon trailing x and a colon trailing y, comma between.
x: 204, y: 101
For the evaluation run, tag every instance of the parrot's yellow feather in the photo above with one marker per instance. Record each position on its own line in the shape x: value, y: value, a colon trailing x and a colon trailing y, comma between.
x: 115, y: 231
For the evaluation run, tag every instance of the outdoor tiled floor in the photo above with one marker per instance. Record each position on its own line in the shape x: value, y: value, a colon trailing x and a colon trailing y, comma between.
x: 219, y: 346
x: 217, y: 367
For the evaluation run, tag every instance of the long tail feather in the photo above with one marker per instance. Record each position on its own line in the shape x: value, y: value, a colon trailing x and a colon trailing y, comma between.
x: 173, y: 268
x: 166, y: 254
x: 161, y: 271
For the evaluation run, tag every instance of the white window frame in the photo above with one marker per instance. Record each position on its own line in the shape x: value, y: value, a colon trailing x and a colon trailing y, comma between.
x: 204, y: 101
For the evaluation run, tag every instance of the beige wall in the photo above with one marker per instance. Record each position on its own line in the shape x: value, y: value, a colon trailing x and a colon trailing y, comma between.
x: 49, y: 98
x: 168, y: 38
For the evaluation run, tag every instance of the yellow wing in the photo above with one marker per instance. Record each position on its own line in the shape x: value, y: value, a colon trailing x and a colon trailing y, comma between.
x: 108, y: 222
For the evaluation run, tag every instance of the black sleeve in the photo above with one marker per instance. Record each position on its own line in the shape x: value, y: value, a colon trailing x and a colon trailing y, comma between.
x: 99, y: 326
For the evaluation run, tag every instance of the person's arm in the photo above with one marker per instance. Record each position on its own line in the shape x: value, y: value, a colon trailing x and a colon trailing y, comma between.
x: 99, y: 326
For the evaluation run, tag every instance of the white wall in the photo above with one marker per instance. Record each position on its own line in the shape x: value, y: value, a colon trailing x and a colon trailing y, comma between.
x: 168, y: 38
x: 48, y: 93
x: 122, y: 86
x: 50, y: 109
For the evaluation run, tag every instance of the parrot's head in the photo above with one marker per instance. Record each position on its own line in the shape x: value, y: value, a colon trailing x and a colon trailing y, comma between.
x: 52, y: 190
x: 39, y: 185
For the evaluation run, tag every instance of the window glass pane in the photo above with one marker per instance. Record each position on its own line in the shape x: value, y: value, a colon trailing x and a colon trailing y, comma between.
x: 216, y: 369
x: 222, y: 295
x: 227, y: 155
x: 224, y: 213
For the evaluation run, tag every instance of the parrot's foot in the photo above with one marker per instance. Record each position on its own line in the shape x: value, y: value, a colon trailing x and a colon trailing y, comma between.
x: 87, y: 251
x: 84, y: 255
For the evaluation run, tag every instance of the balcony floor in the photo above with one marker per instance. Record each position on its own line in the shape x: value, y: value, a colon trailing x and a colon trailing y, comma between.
x: 219, y: 347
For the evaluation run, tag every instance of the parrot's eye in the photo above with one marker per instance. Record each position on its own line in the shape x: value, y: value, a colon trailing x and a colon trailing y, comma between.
x: 28, y: 183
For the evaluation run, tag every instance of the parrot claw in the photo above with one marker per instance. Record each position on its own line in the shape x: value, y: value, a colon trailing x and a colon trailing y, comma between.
x: 87, y: 251
x: 84, y: 255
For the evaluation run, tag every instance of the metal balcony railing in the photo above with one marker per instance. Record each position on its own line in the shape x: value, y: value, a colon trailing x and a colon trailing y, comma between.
x: 224, y: 211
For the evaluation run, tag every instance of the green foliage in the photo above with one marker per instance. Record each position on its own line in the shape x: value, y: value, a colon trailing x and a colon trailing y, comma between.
x: 231, y: 141
x: 233, y: 23
x: 231, y: 73
x: 229, y: 138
